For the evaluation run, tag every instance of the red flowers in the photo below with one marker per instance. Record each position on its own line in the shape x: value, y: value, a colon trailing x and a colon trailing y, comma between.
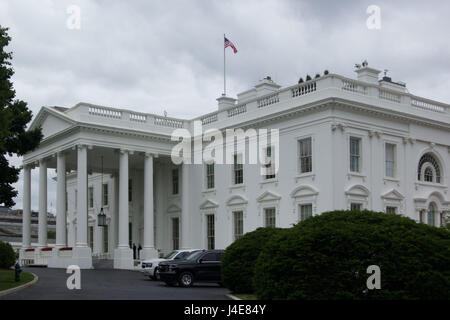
x: 29, y: 250
x: 47, y: 249
x: 65, y: 249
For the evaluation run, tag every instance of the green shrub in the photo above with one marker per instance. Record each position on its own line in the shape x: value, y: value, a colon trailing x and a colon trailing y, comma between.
x: 327, y: 256
x: 308, y: 77
x: 239, y: 259
x: 325, y: 72
x: 7, y: 255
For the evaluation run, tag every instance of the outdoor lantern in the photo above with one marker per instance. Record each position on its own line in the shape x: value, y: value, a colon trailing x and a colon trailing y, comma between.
x: 101, y: 219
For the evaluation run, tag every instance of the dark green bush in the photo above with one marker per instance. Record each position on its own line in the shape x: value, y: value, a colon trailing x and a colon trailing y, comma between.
x: 327, y: 256
x: 308, y: 77
x: 239, y: 259
x: 7, y: 255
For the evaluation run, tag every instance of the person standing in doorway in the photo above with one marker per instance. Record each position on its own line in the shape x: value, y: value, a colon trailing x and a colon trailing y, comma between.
x: 134, y: 251
x: 139, y: 252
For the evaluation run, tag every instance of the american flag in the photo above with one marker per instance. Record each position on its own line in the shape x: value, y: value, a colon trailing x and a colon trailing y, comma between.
x: 228, y: 43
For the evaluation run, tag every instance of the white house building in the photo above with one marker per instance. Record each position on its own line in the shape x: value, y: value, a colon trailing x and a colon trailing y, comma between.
x: 343, y: 144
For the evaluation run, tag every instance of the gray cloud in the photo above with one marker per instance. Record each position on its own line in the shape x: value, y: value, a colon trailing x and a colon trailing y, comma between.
x: 152, y: 56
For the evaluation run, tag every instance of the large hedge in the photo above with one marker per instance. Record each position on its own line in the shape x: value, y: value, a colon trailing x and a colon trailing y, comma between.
x: 239, y: 259
x: 7, y: 255
x: 326, y: 257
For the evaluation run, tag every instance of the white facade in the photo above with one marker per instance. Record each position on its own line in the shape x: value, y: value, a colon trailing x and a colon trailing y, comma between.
x: 343, y: 143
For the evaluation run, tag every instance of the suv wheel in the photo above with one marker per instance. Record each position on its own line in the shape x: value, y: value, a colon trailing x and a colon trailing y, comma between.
x: 186, y: 279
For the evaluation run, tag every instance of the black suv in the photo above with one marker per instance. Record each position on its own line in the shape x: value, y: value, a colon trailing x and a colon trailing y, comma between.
x: 200, y: 266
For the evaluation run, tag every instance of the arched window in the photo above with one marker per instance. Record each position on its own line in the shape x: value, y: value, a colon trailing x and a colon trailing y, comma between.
x: 429, y: 169
x: 428, y: 174
x: 431, y: 214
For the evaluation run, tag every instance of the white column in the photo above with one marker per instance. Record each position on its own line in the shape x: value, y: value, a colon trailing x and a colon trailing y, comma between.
x: 82, y: 209
x: 123, y: 200
x: 185, y: 209
x: 123, y: 255
x: 26, y: 215
x: 61, y: 200
x: 42, y: 231
x: 148, y: 249
x: 82, y: 253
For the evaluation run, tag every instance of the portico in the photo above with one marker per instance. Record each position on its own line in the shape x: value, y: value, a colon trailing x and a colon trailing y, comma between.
x: 79, y: 154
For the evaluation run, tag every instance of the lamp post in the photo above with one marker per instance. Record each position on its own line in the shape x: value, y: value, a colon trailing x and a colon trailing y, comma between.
x: 101, y: 217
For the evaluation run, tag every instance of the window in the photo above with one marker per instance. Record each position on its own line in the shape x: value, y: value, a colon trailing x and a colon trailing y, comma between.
x: 355, y: 154
x: 269, y: 214
x: 76, y: 199
x: 175, y: 233
x: 391, y: 210
x: 67, y: 201
x: 238, y: 219
x: 238, y: 170
x: 431, y: 214
x: 428, y: 174
x: 210, y: 234
x: 305, y: 155
x: 105, y: 194
x: 130, y: 190
x: 175, y: 181
x: 429, y: 169
x: 270, y: 174
x: 105, y: 239
x: 91, y: 238
x: 390, y: 159
x: 212, y: 256
x: 355, y: 206
x: 210, y: 176
x: 130, y: 234
x: 422, y: 216
x: 305, y: 211
x: 91, y: 197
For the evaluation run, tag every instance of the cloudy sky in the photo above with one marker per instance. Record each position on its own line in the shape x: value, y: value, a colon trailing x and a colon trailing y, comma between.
x: 153, y: 55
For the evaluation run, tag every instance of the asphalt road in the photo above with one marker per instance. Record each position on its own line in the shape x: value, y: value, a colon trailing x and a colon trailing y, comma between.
x: 108, y: 284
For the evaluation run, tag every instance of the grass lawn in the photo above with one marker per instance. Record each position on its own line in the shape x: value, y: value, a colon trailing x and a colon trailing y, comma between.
x: 245, y: 296
x: 7, y: 279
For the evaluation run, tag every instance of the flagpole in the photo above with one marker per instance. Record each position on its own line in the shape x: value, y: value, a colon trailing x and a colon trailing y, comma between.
x: 224, y: 78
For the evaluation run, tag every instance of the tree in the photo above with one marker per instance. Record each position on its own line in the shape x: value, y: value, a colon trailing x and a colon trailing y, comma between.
x: 239, y: 259
x: 328, y: 256
x: 14, y: 117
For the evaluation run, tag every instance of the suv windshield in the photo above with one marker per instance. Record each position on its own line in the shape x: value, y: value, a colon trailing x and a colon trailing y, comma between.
x: 194, y: 256
x: 171, y: 255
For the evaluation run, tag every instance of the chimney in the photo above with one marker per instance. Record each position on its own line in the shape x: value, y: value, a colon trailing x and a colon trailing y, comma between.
x: 225, y: 102
x: 367, y: 74
x: 266, y: 86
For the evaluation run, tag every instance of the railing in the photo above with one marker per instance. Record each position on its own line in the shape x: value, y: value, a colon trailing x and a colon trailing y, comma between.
x: 209, y: 119
x: 105, y: 112
x: 138, y: 117
x: 237, y: 110
x: 353, y: 86
x: 427, y: 105
x: 167, y: 122
x: 268, y: 100
x: 304, y: 89
x: 387, y: 95
x: 316, y: 86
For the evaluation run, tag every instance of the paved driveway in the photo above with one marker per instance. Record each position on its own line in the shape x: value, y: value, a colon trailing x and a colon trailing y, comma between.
x: 108, y: 284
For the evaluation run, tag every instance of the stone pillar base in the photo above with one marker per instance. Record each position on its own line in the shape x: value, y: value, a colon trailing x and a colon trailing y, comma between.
x: 149, y: 253
x: 123, y: 258
x: 82, y: 257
